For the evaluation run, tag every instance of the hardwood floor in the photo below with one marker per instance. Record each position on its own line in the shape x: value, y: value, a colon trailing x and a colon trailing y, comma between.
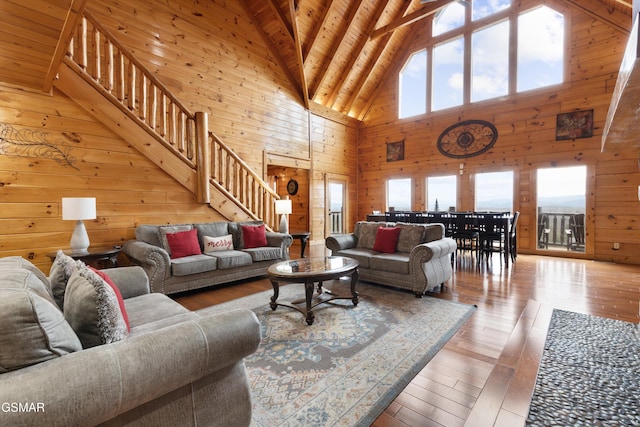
x: 485, y: 374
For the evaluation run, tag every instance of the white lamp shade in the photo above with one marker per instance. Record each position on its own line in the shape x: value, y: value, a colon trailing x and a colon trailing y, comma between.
x: 283, y: 207
x: 78, y: 208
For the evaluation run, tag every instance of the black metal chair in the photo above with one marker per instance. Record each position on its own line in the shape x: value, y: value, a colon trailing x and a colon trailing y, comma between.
x: 575, y: 233
x: 513, y: 236
x: 494, y: 235
x: 464, y: 230
x: 543, y: 231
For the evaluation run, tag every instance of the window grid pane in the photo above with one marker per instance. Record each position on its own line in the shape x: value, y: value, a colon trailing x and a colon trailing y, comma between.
x: 448, y: 78
x: 494, y: 191
x: 399, y: 194
x: 441, y: 190
x: 490, y: 62
x: 413, y: 85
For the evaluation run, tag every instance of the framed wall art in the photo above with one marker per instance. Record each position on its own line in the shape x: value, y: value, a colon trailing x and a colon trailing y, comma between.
x: 395, y: 151
x: 577, y: 124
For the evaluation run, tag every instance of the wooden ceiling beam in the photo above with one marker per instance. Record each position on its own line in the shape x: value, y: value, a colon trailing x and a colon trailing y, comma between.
x: 419, y: 14
x: 337, y: 41
x: 600, y: 12
x: 281, y: 18
x: 316, y: 30
x: 272, y: 49
x: 355, y: 54
x: 382, y: 45
x: 298, y: 48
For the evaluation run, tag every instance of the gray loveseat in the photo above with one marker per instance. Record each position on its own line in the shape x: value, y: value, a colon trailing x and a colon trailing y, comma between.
x: 419, y: 261
x: 169, y: 275
x: 176, y: 367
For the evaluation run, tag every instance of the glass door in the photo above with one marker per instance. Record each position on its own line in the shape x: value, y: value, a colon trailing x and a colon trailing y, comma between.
x: 336, y: 197
x: 561, y: 195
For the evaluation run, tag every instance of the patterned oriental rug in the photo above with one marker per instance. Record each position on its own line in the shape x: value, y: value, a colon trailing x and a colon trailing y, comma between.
x: 347, y: 367
x: 589, y: 374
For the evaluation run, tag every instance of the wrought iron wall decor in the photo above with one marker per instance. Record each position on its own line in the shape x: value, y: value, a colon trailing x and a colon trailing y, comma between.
x: 467, y: 139
x: 28, y: 143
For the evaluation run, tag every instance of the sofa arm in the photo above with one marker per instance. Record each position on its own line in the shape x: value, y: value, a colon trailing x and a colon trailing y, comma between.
x: 153, y: 259
x: 131, y: 281
x: 427, y: 251
x: 92, y: 386
x: 339, y: 242
x: 281, y: 240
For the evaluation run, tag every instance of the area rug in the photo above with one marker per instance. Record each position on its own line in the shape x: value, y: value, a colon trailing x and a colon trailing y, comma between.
x: 347, y: 367
x: 589, y: 373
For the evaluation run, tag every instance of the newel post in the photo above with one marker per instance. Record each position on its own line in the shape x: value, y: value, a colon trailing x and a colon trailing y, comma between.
x: 203, y: 157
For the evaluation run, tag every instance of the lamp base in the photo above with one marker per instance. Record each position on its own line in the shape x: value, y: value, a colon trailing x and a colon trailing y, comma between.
x: 79, y: 239
x: 284, y: 226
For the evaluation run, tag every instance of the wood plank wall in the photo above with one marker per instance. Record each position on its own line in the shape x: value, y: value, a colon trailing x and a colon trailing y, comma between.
x: 526, y: 127
x: 214, y: 60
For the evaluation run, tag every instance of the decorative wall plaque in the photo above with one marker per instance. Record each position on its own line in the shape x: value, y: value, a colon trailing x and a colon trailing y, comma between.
x: 467, y: 139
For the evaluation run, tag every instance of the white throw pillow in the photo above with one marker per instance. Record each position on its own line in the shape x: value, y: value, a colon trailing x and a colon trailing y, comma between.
x: 216, y: 244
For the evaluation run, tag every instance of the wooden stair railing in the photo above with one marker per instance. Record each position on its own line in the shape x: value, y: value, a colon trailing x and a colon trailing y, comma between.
x: 97, y: 56
x: 232, y: 176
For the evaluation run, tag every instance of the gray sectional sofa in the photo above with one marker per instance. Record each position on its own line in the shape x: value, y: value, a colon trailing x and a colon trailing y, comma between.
x: 169, y: 275
x: 174, y: 367
x: 419, y: 261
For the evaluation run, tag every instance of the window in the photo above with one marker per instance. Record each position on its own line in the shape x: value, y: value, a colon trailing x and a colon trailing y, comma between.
x: 441, y: 193
x: 494, y: 191
x: 481, y: 50
x: 540, y: 58
x: 413, y: 85
x: 399, y: 194
x: 448, y: 68
x: 490, y: 62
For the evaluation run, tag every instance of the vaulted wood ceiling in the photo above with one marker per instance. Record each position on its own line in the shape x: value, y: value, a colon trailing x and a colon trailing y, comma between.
x: 335, y: 52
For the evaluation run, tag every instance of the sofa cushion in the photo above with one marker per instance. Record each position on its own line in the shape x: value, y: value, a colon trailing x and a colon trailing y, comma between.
x: 61, y: 269
x: 393, y: 263
x: 149, y: 234
x: 216, y: 244
x: 362, y: 255
x: 33, y: 328
x: 212, y: 229
x: 386, y: 239
x: 266, y: 253
x: 163, y: 230
x: 184, y: 243
x: 151, y: 308
x: 91, y: 308
x: 411, y: 235
x: 19, y: 263
x: 366, y: 233
x: 235, y: 228
x: 254, y: 236
x: 231, y: 259
x: 193, y: 264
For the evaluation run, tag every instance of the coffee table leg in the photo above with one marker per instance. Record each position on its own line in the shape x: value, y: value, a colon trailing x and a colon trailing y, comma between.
x: 308, y: 291
x: 354, y: 282
x: 276, y: 292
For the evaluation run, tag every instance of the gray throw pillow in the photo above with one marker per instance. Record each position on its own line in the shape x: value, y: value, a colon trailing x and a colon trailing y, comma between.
x: 61, y: 270
x: 411, y: 235
x: 33, y: 328
x: 19, y: 263
x: 367, y: 234
x: 91, y: 307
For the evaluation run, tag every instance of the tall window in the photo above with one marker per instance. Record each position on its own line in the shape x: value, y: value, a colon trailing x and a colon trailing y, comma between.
x: 441, y: 193
x: 541, y: 58
x: 413, y: 85
x: 472, y: 52
x: 494, y: 191
x: 399, y: 194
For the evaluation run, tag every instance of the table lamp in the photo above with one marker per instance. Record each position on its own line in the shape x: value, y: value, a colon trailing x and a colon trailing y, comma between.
x: 79, y: 208
x: 283, y: 207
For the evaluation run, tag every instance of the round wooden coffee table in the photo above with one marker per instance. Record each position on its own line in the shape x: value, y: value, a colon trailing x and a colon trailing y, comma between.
x: 311, y: 271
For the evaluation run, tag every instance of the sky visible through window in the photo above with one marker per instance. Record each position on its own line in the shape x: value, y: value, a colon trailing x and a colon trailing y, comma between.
x: 399, y: 194
x: 540, y: 46
x: 442, y: 189
x: 494, y: 191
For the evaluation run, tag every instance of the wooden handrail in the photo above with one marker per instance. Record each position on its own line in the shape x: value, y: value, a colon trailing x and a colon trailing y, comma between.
x: 105, y: 63
x: 241, y: 183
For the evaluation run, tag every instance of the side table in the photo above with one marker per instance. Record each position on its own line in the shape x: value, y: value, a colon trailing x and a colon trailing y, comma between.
x: 98, y: 257
x: 303, y: 236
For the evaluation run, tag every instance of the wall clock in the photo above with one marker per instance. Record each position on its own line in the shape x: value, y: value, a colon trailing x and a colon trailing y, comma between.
x: 467, y: 139
x: 292, y: 187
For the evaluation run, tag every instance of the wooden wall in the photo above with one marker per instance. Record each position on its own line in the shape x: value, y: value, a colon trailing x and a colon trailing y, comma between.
x: 209, y: 54
x: 526, y: 127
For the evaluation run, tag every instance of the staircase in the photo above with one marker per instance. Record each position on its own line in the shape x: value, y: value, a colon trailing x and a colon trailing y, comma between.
x: 101, y: 75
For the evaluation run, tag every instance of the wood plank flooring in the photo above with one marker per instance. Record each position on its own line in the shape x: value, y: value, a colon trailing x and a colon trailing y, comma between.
x: 484, y: 376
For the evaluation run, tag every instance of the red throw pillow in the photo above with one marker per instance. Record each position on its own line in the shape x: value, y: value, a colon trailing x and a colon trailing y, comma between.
x: 109, y: 282
x: 254, y: 236
x: 386, y: 239
x: 184, y: 243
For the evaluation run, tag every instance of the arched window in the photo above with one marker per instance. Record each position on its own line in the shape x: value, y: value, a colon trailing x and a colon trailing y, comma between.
x: 482, y: 50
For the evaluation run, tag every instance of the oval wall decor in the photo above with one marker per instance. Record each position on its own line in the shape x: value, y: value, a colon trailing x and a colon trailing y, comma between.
x: 467, y: 139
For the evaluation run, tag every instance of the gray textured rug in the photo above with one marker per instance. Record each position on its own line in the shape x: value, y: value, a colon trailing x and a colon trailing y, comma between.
x: 589, y: 373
